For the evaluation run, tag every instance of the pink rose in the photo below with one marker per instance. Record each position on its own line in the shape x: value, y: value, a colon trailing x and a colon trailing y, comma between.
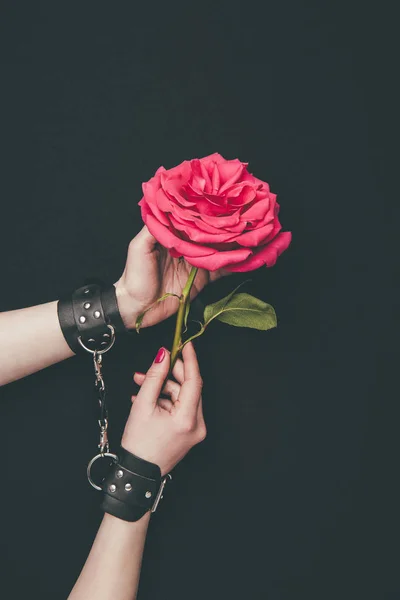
x: 215, y: 214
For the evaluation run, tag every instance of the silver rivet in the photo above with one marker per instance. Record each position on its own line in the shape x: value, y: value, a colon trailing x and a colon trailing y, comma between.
x: 148, y: 494
x: 87, y: 305
x: 119, y: 474
x: 96, y: 314
x: 86, y: 291
x: 82, y: 319
x: 112, y: 488
x: 91, y: 340
x: 103, y: 343
x: 128, y: 487
x: 107, y: 335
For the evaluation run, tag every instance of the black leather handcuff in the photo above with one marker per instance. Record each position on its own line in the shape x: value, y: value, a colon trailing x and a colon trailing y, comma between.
x: 89, y: 319
x: 132, y: 487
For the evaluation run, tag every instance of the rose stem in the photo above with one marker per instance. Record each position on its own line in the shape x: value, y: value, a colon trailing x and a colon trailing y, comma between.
x: 183, y: 302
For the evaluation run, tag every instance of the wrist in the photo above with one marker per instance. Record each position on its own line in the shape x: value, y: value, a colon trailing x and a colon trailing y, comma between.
x: 128, y: 307
x: 126, y: 527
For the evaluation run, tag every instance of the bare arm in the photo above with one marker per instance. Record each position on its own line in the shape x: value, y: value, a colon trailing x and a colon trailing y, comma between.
x: 161, y: 431
x: 31, y: 338
x: 113, y: 567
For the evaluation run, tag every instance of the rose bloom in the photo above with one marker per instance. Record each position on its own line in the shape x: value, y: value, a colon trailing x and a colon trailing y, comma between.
x: 215, y: 214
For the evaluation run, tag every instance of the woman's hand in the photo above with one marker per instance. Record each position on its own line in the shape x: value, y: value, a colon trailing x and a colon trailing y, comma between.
x: 150, y: 272
x: 162, y: 430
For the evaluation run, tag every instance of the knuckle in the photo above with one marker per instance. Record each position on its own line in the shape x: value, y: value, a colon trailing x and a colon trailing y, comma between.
x: 152, y: 375
x: 155, y: 373
x: 201, y: 433
x: 198, y: 382
x: 187, y: 425
x: 132, y: 246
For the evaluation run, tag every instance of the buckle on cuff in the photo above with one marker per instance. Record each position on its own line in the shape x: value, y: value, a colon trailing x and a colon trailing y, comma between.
x: 160, y: 492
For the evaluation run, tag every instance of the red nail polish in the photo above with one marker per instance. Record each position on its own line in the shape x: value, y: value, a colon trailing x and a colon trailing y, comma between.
x: 160, y: 355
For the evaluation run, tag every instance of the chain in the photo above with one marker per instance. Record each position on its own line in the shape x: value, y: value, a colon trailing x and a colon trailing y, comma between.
x: 100, y: 390
x: 104, y: 445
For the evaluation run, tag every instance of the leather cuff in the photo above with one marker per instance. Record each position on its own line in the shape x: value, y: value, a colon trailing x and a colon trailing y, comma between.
x: 87, y: 313
x: 132, y: 487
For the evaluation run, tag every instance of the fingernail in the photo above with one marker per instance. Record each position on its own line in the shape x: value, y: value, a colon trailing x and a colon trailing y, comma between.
x: 138, y: 373
x: 160, y: 355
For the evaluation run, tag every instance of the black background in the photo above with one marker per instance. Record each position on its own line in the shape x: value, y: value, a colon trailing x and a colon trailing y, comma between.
x: 292, y: 495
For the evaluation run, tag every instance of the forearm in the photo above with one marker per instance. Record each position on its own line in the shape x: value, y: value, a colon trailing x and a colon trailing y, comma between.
x: 31, y: 339
x: 112, y: 569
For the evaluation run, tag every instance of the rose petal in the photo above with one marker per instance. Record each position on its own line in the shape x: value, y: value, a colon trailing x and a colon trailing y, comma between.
x: 205, y: 207
x: 266, y: 255
x: 199, y: 170
x: 198, y: 185
x: 174, y: 189
x: 263, y: 192
x: 194, y: 220
x: 230, y: 172
x: 219, y: 259
x: 164, y: 203
x: 257, y: 211
x: 215, y: 179
x: 199, y: 236
x: 236, y: 189
x: 211, y: 159
x: 182, y: 171
x: 151, y: 186
x: 255, y: 237
x: 219, y: 201
x: 222, y: 220
x: 250, y: 178
x: 174, y: 253
x: 245, y: 196
x: 270, y: 215
x: 198, y: 221
x: 168, y: 239
x: 159, y: 214
x: 276, y: 229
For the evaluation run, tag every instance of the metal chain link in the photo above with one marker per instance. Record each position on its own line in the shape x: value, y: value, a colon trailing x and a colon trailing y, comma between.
x: 104, y: 445
x: 100, y: 390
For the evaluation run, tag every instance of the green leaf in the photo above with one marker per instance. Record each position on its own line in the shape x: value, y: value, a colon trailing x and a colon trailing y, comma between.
x: 242, y: 310
x: 211, y: 310
x: 140, y: 318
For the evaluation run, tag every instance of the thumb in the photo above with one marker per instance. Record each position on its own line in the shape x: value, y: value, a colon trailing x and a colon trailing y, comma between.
x: 154, y: 381
x: 144, y: 240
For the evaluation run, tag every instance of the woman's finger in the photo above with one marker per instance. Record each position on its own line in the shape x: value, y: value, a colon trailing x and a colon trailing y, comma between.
x: 171, y: 388
x: 154, y: 379
x: 190, y: 363
x: 190, y: 393
x: 145, y: 240
x: 179, y: 371
x: 165, y: 404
